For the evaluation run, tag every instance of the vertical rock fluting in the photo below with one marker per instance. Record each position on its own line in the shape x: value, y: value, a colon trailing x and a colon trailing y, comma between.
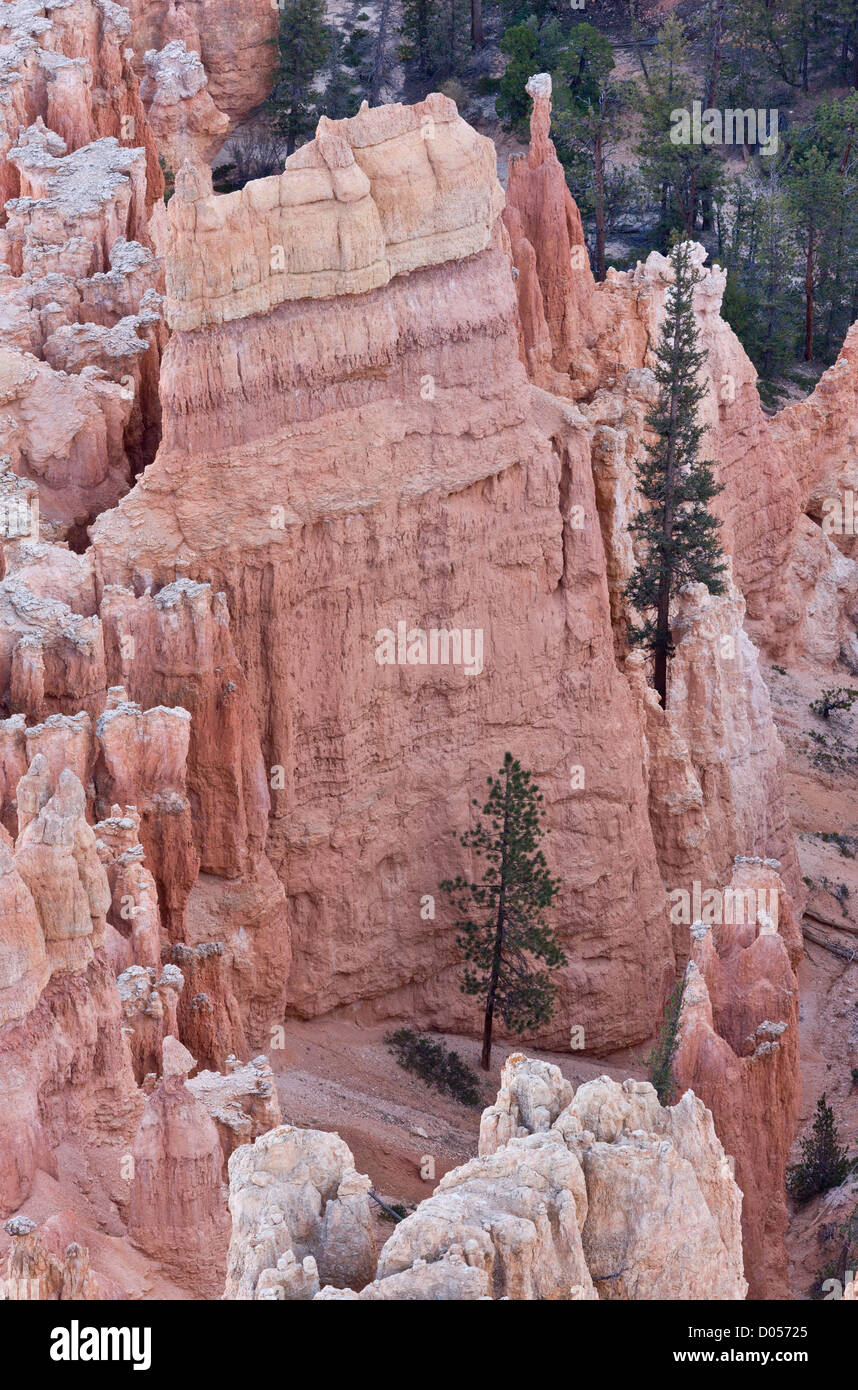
x: 178, y: 1212
x: 415, y: 420
x: 738, y: 1050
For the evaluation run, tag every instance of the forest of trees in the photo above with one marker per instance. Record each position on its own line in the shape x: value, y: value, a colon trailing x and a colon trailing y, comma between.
x: 781, y: 217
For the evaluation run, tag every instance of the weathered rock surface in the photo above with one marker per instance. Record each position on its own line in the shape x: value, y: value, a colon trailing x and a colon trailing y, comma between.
x: 440, y: 447
x: 33, y: 1272
x: 234, y: 41
x: 66, y: 1076
x: 556, y: 304
x: 242, y: 1101
x: 297, y: 1191
x: 660, y: 1207
x: 738, y: 1050
x: 599, y: 1193
x: 516, y: 1214
x: 209, y: 1016
x: 185, y: 121
x: 149, y: 1006
x: 177, y: 1212
x: 203, y: 763
x: 371, y: 197
x: 80, y: 304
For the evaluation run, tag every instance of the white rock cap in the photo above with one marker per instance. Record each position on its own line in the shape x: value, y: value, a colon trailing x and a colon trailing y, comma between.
x: 539, y: 85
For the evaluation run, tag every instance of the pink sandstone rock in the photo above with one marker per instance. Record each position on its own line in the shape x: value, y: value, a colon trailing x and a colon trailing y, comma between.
x: 24, y: 966
x: 33, y: 1272
x: 427, y: 458
x: 65, y: 1076
x: 142, y: 761
x: 149, y: 1006
x: 57, y: 859
x: 186, y: 123
x: 242, y: 1101
x: 134, y: 910
x: 557, y: 307
x: 234, y: 41
x: 738, y: 1051
x: 177, y: 1213
x: 371, y: 197
x: 80, y: 312
x: 209, y: 1019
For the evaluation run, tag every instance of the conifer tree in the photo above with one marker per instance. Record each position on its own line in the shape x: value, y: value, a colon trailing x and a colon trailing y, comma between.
x: 502, y: 931
x: 304, y: 42
x: 676, y: 532
x: 824, y: 1162
x: 684, y: 175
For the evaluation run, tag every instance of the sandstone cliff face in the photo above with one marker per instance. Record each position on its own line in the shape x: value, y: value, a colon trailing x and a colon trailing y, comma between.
x: 212, y: 787
x: 738, y: 1051
x: 415, y: 419
x: 233, y: 40
x: 177, y: 1212
x: 81, y: 317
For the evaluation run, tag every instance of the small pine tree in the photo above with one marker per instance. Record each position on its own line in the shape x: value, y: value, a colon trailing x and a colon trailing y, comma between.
x: 824, y: 1162
x: 507, y: 934
x: 169, y: 179
x: 676, y: 531
x: 660, y: 1059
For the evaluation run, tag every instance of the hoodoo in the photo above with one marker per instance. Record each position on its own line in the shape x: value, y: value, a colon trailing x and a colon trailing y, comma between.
x: 333, y: 480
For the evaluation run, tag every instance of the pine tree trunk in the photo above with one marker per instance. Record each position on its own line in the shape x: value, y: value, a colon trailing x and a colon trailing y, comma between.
x: 477, y: 23
x: 488, y: 1022
x: 379, y: 54
x: 600, y: 208
x: 714, y: 73
x: 808, y: 293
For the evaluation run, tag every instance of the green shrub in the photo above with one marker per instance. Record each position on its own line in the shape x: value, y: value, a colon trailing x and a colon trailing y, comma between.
x: 660, y: 1059
x: 839, y: 698
x: 824, y: 1162
x: 441, y: 1069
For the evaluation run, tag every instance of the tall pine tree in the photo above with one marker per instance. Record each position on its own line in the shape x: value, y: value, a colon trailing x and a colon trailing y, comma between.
x: 506, y: 935
x: 676, y: 532
x: 304, y: 42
